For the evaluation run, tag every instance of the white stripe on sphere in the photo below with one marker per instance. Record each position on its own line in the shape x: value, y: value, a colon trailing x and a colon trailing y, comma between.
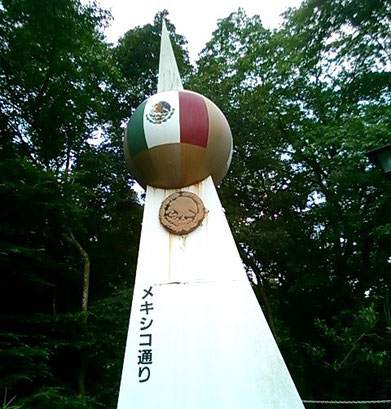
x: 165, y: 132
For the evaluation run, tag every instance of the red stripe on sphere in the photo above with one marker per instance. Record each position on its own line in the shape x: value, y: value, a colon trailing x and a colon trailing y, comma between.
x: 193, y: 119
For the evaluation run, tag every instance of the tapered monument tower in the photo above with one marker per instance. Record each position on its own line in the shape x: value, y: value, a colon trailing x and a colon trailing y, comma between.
x: 197, y: 336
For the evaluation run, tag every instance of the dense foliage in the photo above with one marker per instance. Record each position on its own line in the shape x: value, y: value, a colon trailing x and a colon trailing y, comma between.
x: 311, y: 216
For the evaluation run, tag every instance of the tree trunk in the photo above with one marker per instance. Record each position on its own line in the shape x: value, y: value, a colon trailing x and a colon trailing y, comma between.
x: 261, y: 295
x: 81, y: 379
x: 84, y: 306
x: 260, y: 291
x: 86, y: 273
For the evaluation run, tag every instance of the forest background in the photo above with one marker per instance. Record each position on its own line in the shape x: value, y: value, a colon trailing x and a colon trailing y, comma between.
x: 310, y: 215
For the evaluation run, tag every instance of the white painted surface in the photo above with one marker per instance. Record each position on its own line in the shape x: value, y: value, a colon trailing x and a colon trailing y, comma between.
x: 211, y: 345
x: 169, y: 78
x: 165, y: 132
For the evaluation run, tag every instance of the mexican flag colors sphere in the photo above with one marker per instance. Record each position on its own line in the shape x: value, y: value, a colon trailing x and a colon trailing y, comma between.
x: 176, y: 139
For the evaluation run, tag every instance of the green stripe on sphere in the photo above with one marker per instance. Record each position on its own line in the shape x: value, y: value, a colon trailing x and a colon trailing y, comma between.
x: 135, y: 131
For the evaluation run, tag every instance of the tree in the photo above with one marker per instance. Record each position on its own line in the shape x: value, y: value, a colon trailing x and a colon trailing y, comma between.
x: 60, y: 88
x: 304, y: 104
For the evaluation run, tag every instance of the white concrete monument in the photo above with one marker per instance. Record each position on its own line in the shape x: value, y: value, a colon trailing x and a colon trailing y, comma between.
x: 197, y: 336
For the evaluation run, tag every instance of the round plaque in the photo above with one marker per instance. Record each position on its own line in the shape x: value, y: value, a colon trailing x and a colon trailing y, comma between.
x: 182, y: 212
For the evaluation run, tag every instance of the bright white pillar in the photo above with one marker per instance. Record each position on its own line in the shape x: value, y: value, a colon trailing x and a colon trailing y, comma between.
x: 197, y: 336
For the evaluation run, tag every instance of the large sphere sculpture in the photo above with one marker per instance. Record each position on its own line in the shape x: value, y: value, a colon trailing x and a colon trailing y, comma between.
x: 176, y: 139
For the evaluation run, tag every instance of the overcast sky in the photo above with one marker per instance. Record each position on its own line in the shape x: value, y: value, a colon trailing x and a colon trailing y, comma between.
x: 196, y: 20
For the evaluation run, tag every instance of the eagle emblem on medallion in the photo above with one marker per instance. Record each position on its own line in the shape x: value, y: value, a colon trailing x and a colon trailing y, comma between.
x: 160, y: 112
x: 182, y: 212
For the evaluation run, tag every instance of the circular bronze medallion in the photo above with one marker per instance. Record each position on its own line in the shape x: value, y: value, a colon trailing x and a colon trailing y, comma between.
x: 181, y: 213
